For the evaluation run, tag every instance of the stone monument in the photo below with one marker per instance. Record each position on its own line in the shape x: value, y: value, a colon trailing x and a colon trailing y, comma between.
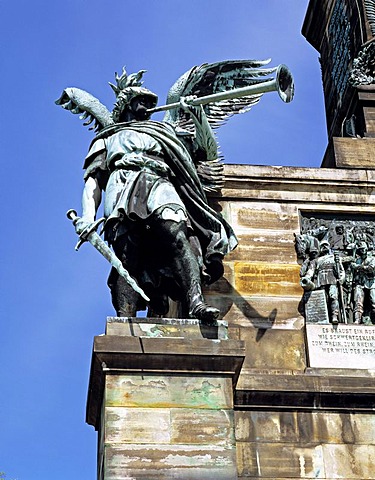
x: 161, y: 390
x: 282, y: 385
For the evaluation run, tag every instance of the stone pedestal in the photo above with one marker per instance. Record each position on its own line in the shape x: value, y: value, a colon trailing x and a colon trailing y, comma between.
x: 161, y: 398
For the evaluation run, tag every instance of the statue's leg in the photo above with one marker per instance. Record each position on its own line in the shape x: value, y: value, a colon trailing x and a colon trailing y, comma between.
x: 185, y: 267
x: 334, y: 304
x: 124, y: 299
x: 359, y: 298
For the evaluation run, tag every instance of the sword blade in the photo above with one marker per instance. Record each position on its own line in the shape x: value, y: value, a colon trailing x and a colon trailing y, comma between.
x: 98, y: 243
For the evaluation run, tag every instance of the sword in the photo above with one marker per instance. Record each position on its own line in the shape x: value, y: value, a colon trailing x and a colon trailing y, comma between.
x: 89, y: 234
x: 339, y: 288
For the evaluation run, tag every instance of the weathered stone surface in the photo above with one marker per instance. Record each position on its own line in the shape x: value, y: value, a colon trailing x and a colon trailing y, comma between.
x: 165, y: 327
x: 276, y: 349
x: 299, y: 381
x: 163, y: 391
x: 263, y: 246
x: 174, y: 359
x: 304, y: 186
x: 201, y: 426
x: 305, y: 428
x: 258, y: 311
x: 271, y: 218
x: 349, y: 461
x: 273, y: 460
x: 137, y: 425
x: 164, y: 462
x: 267, y: 279
x: 354, y: 152
x: 341, y: 346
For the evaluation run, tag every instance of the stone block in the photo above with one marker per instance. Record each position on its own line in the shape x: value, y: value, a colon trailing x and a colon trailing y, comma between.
x: 267, y: 279
x: 201, y: 426
x: 266, y: 427
x: 305, y: 428
x: 298, y: 186
x: 159, y: 391
x: 363, y: 428
x: 349, y: 461
x: 259, y: 312
x: 260, y: 216
x: 274, y: 460
x: 354, y: 152
x: 179, y: 462
x: 277, y: 349
x: 137, y: 425
x: 264, y: 246
x: 165, y: 327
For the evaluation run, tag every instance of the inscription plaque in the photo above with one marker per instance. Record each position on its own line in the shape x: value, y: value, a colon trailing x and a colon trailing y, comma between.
x: 341, y: 346
x: 316, y: 308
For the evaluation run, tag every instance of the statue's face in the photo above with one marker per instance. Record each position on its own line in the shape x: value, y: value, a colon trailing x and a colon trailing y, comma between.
x: 339, y: 229
x: 324, y: 249
x: 140, y: 105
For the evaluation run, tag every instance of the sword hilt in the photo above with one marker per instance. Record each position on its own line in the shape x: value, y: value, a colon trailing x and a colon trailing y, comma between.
x: 83, y: 236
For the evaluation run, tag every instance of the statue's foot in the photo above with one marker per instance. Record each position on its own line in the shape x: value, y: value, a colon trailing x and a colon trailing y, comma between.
x: 335, y: 320
x: 205, y: 313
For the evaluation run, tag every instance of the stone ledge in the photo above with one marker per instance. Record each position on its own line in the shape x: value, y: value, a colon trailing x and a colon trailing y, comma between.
x: 299, y: 390
x: 115, y: 354
x: 305, y: 401
x: 165, y: 328
x: 301, y: 382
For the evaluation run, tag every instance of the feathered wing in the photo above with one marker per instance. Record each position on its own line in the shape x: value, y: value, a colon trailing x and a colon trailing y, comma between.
x: 217, y: 77
x: 208, y: 79
x: 87, y: 106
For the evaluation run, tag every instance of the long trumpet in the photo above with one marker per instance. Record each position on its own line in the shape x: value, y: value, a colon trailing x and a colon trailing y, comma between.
x: 283, y: 84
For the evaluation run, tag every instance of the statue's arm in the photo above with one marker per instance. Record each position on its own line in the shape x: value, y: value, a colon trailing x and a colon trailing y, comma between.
x: 91, y: 198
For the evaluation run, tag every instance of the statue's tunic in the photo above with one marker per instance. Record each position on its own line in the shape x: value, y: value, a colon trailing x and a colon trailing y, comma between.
x: 148, y: 167
x: 138, y: 183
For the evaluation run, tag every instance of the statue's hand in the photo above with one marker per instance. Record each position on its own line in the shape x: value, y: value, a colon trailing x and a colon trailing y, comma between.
x: 184, y: 103
x: 82, y: 224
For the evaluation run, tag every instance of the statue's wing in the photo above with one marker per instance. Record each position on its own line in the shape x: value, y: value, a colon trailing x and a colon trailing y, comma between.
x: 87, y: 106
x: 211, y: 78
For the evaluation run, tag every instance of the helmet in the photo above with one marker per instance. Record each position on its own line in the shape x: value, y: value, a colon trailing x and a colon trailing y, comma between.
x: 129, y: 87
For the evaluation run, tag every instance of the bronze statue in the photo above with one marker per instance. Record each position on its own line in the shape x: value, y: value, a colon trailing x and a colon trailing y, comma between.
x: 326, y: 273
x: 352, y: 242
x: 167, y: 240
x: 364, y: 284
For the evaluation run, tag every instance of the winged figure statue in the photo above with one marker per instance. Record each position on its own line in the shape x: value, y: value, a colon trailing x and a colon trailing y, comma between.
x: 156, y: 176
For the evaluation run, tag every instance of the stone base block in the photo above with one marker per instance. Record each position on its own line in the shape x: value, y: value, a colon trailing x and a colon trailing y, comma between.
x: 161, y: 398
x: 166, y: 327
x: 154, y: 462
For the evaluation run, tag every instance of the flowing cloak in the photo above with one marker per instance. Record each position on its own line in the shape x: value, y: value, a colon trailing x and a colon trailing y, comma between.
x: 215, y: 235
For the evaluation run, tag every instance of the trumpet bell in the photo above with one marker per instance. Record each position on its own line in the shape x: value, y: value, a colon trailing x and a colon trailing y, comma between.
x: 285, y: 83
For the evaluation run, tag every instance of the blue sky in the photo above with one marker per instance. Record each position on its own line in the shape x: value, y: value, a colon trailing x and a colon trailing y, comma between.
x: 54, y: 300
